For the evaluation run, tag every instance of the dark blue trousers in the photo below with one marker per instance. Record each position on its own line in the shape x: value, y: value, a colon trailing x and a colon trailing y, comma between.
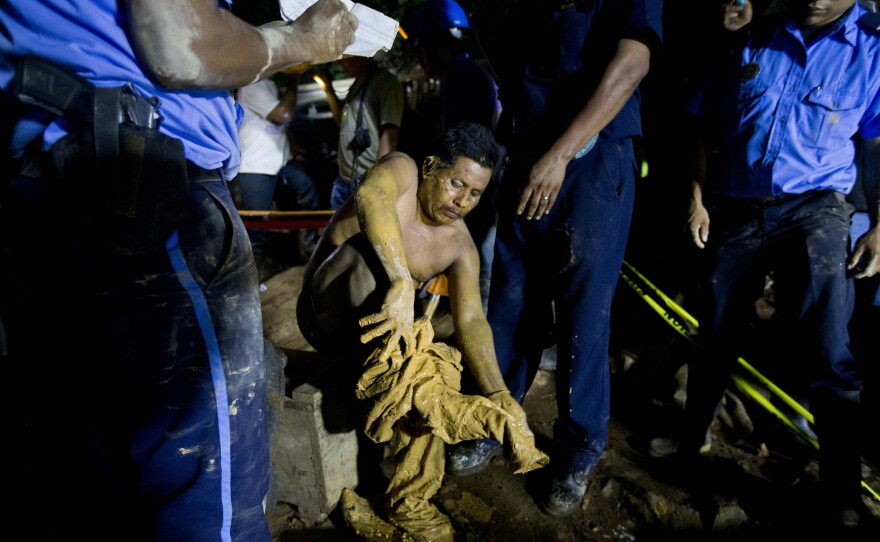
x: 138, y: 379
x: 803, y: 240
x: 558, y: 275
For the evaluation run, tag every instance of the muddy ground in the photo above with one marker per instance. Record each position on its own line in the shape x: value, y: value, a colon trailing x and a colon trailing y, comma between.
x: 758, y: 481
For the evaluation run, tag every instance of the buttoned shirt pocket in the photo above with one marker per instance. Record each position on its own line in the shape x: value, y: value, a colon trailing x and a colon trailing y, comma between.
x: 830, y: 118
x: 748, y: 107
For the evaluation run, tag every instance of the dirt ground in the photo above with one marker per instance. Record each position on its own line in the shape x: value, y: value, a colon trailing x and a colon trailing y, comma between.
x: 759, y: 480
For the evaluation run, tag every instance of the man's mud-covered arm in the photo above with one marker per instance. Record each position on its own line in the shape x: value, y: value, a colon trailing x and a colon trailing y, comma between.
x: 196, y: 43
x: 474, y: 335
x: 376, y: 205
x: 472, y: 331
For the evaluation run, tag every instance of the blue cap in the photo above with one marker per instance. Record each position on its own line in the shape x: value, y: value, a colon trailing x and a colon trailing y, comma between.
x: 437, y: 15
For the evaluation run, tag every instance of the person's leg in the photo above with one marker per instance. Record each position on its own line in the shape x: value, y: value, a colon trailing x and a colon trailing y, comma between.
x: 735, y: 278
x: 417, y: 477
x: 815, y: 292
x: 257, y: 191
x: 174, y: 342
x: 597, y: 199
x: 340, y: 192
x: 214, y: 265
x: 296, y: 190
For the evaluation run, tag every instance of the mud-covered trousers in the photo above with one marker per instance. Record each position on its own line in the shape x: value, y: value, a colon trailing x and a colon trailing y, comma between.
x: 568, y: 262
x: 803, y: 240
x: 139, y: 408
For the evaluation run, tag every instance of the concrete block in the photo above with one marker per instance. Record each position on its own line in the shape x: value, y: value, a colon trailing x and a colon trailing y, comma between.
x: 310, y: 465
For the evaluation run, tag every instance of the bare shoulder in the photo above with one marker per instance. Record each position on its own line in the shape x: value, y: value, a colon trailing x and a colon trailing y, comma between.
x: 398, y: 162
x: 464, y: 252
x: 402, y: 168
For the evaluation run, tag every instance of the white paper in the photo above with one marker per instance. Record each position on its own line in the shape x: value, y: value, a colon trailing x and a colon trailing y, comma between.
x: 376, y: 31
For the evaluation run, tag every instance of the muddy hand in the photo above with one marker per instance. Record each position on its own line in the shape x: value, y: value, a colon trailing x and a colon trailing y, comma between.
x: 394, y: 321
x: 525, y: 456
x: 322, y: 32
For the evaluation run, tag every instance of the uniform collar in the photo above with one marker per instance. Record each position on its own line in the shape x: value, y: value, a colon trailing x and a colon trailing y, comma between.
x: 847, y: 22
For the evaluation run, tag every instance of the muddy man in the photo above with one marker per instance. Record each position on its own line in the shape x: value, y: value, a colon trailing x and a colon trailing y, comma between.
x: 358, y: 304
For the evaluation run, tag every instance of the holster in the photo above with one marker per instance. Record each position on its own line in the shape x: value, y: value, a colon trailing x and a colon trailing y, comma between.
x: 138, y: 203
x: 128, y: 179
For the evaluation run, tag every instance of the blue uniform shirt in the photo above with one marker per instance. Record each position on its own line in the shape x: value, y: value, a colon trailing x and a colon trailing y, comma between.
x: 94, y: 44
x: 557, y: 57
x: 790, y: 110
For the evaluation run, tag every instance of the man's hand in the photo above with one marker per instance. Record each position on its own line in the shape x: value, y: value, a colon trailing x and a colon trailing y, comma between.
x: 395, y: 319
x: 737, y: 15
x: 698, y: 223
x: 544, y: 182
x: 865, y: 260
x: 524, y: 455
x: 326, y: 29
x: 512, y: 407
x: 698, y: 216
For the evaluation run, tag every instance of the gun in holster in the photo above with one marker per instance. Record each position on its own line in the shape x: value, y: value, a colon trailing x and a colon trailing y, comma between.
x: 114, y: 157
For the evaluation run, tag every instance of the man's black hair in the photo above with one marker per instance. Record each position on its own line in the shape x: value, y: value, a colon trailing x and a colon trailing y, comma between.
x: 470, y: 140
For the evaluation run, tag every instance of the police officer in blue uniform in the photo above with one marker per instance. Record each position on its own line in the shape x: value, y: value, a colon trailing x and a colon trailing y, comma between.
x: 779, y: 121
x: 128, y: 291
x: 570, y: 113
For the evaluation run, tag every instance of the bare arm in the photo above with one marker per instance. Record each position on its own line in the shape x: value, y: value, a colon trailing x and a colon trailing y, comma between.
x: 621, y: 78
x: 865, y: 259
x: 283, y: 112
x: 332, y: 100
x: 474, y: 336
x: 376, y: 203
x: 388, y: 139
x: 698, y: 215
x: 195, y: 43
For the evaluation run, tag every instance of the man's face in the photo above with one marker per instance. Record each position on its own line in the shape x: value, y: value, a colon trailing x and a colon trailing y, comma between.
x: 448, y: 194
x: 814, y: 14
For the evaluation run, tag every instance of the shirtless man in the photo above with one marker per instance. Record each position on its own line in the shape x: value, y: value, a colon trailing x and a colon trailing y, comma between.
x: 394, y: 234
x: 360, y: 283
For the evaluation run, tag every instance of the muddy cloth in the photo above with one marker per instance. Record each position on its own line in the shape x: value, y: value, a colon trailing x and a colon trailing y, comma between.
x: 425, y: 388
x: 416, y: 405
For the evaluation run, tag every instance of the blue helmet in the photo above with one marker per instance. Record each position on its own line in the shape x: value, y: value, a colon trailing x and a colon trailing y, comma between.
x: 437, y: 15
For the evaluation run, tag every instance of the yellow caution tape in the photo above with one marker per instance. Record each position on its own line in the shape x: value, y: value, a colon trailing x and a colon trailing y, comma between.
x: 672, y: 315
x: 679, y: 311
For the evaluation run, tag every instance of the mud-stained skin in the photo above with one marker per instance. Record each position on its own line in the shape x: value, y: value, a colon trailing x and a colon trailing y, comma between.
x: 185, y: 27
x: 196, y: 43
